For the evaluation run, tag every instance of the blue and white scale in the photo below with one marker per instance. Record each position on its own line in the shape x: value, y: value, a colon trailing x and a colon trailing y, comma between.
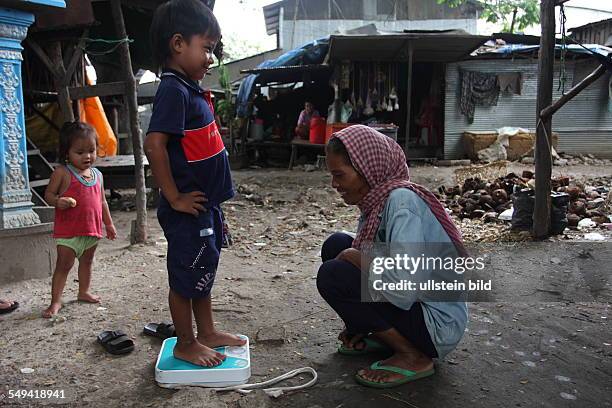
x: 235, y: 369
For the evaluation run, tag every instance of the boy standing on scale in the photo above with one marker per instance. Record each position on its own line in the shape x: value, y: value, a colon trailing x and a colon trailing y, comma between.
x: 190, y: 165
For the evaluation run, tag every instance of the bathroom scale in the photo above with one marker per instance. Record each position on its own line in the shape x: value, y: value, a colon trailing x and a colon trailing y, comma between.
x: 235, y: 369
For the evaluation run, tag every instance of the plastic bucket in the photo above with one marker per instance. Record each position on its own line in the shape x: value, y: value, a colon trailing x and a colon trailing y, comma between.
x: 317, y: 130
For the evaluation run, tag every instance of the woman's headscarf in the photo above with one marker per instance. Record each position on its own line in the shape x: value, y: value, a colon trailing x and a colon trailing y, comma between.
x: 381, y: 161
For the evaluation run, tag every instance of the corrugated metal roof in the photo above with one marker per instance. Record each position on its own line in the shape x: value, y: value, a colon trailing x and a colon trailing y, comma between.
x: 584, y: 125
x: 431, y: 46
x: 289, y: 74
x: 589, y: 25
x: 288, y: 68
x: 272, y: 17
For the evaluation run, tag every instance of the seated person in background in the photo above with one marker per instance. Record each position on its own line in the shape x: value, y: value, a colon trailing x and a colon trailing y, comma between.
x: 303, y: 125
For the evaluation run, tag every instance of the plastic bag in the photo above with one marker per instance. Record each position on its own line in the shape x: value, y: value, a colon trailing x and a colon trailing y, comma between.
x: 523, y: 202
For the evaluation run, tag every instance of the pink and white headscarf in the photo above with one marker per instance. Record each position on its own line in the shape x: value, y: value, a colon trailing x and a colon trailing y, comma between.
x: 382, y: 162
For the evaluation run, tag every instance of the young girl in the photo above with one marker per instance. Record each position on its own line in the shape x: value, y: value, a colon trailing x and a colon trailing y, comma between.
x: 76, y: 191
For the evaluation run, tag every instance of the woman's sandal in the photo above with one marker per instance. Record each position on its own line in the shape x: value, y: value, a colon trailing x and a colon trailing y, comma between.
x: 371, y: 346
x: 160, y: 330
x: 115, y: 342
x: 408, y: 376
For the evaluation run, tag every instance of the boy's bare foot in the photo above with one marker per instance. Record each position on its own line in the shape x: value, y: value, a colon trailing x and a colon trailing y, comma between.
x: 88, y: 297
x: 218, y: 339
x: 198, y: 354
x: 51, y: 310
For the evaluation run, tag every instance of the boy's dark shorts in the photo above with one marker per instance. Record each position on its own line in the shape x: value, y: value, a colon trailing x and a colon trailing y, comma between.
x: 194, y: 245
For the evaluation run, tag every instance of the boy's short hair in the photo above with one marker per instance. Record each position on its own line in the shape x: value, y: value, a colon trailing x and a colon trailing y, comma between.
x: 185, y: 17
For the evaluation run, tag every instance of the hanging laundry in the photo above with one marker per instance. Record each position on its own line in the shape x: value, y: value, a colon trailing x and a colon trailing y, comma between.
x: 477, y: 88
x: 510, y: 82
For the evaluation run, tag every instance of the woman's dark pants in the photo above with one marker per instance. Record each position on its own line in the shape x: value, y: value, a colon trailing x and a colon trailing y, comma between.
x: 339, y: 283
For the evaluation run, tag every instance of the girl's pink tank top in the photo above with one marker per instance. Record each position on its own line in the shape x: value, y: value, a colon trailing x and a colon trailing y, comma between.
x: 86, y: 218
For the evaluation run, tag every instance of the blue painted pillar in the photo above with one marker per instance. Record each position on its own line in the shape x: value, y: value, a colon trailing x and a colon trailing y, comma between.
x: 15, y: 196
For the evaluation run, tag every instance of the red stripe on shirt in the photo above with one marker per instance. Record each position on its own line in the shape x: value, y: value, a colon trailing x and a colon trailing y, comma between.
x: 201, y: 144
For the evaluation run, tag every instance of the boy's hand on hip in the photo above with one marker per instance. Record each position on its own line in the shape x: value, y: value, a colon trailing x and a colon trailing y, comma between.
x: 190, y: 203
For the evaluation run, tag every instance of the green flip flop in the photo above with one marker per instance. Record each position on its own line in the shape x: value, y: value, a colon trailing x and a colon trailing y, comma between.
x: 408, y: 376
x: 371, y: 346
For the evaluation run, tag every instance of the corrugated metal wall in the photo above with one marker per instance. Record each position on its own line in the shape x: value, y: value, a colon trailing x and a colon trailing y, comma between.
x: 584, y: 124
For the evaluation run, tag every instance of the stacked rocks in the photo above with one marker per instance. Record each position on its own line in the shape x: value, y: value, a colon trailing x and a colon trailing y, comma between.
x: 477, y: 198
x: 480, y: 199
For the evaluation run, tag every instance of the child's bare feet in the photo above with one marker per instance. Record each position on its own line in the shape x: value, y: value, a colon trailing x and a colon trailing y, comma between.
x: 52, y: 310
x: 218, y: 339
x: 88, y: 297
x: 198, y: 354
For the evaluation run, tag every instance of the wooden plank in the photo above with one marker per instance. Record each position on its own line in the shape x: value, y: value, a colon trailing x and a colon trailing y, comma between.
x: 44, y: 117
x: 44, y: 58
x: 139, y: 226
x: 409, y: 95
x: 306, y: 143
x: 60, y: 81
x: 107, y: 89
x: 120, y: 160
x: 543, y: 155
x: 38, y: 199
x: 77, y: 55
x: 592, y: 77
x: 115, y: 181
x: 39, y: 183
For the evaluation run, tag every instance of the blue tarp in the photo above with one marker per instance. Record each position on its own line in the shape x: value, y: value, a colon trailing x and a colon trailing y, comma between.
x: 311, y: 53
x: 575, y: 48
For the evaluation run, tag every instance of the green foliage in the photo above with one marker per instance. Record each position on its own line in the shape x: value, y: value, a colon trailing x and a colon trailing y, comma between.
x: 224, y: 78
x: 225, y: 108
x: 503, y: 12
x: 236, y: 47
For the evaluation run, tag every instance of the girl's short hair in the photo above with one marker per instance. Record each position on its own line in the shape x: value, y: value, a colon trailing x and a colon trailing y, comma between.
x: 71, y: 131
x: 184, y: 17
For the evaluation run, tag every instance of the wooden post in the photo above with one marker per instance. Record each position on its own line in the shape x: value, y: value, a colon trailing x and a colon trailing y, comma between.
x: 61, y: 80
x: 114, y: 119
x: 139, y: 228
x: 592, y: 77
x: 409, y: 97
x: 543, y: 155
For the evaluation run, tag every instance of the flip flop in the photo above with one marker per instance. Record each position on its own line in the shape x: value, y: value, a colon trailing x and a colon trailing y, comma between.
x: 9, y: 309
x: 115, y: 342
x: 408, y: 376
x: 160, y: 330
x: 371, y: 346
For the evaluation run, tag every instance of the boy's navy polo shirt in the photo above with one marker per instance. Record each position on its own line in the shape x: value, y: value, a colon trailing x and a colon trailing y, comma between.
x: 198, y: 159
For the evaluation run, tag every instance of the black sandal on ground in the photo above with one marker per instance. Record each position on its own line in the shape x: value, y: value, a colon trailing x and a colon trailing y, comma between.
x: 160, y: 330
x: 115, y: 342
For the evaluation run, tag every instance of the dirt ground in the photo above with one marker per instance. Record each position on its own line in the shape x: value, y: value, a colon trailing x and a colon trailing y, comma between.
x: 554, y: 354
